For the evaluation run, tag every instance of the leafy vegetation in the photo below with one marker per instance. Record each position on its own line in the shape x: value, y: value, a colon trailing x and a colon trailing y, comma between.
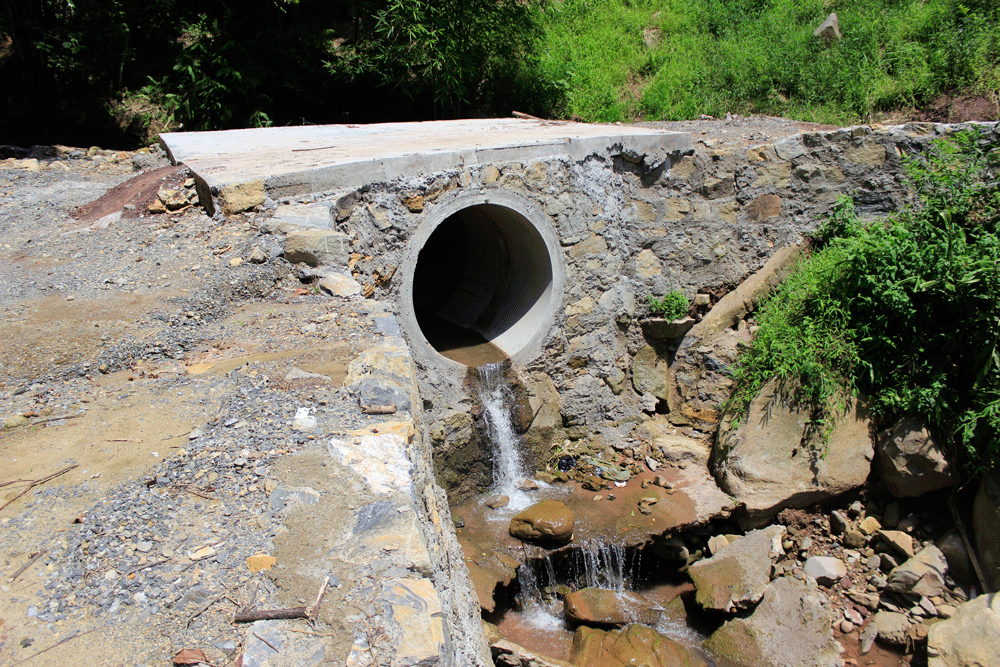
x: 671, y: 306
x: 114, y: 71
x: 676, y: 59
x: 905, y: 310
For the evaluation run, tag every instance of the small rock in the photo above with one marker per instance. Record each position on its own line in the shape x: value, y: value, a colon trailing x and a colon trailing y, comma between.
x: 921, y: 575
x: 235, y: 261
x: 838, y: 522
x: 173, y: 199
x: 959, y: 564
x: 825, y: 570
x: 662, y: 482
x: 853, y: 616
x: 157, y: 207
x: 898, y: 541
x: 652, y: 463
x: 260, y: 562
x: 195, y: 434
x: 846, y: 626
x: 853, y: 539
x: 869, y: 525
x: 202, y: 553
x: 258, y: 256
x: 945, y: 610
x: 892, y: 515
x: 414, y: 203
x: 602, y: 607
x: 143, y: 546
x: 888, y: 562
x: 16, y: 421
x: 497, y: 502
x: 339, y: 285
x: 868, y: 635
x: 892, y: 627
x: 829, y: 29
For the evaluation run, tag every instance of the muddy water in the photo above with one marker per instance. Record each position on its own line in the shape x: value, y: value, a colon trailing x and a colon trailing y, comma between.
x: 538, y: 624
x: 541, y: 628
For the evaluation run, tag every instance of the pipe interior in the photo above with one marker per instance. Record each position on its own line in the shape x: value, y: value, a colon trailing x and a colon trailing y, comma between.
x: 483, y: 276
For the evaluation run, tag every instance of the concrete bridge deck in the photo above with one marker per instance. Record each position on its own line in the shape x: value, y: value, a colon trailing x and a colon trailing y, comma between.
x: 297, y: 160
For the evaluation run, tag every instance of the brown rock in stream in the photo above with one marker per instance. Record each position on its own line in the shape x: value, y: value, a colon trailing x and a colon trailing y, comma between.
x: 594, y: 606
x: 634, y: 645
x: 549, y: 522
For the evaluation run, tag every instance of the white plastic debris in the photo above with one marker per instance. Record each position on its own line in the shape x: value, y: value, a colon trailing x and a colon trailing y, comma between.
x: 303, y: 419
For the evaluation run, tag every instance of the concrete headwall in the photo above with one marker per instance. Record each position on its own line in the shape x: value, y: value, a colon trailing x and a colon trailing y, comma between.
x: 628, y: 226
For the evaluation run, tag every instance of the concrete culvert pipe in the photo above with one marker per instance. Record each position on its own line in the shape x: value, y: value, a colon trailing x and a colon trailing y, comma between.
x: 483, y: 281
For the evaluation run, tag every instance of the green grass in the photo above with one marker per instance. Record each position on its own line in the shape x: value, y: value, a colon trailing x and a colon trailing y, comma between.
x: 760, y: 56
x: 905, y: 310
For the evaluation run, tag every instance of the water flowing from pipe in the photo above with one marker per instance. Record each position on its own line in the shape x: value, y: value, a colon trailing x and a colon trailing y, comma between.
x: 508, y: 468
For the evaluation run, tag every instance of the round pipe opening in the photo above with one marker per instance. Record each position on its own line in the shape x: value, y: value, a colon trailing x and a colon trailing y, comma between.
x: 484, y: 282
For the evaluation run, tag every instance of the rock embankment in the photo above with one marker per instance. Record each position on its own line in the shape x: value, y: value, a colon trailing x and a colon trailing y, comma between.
x: 212, y: 414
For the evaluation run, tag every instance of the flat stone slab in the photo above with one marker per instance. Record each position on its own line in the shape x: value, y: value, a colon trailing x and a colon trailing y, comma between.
x: 298, y: 160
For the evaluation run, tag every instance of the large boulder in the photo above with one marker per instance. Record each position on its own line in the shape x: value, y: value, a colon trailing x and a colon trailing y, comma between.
x: 736, y: 577
x: 547, y: 523
x: 633, y: 645
x: 773, y: 460
x: 791, y: 627
x: 910, y: 461
x: 970, y: 638
x: 596, y: 606
x: 922, y: 575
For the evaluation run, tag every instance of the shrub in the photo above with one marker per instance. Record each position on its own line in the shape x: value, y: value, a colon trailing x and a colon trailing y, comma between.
x: 906, y: 309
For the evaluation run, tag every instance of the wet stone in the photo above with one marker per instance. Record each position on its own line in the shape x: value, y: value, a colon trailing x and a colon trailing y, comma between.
x: 547, y: 522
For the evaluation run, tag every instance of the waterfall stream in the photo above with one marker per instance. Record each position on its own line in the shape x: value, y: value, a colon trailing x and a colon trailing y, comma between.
x: 533, y: 612
x: 508, y: 468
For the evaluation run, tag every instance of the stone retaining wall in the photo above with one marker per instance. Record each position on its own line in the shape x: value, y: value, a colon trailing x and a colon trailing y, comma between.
x: 629, y: 226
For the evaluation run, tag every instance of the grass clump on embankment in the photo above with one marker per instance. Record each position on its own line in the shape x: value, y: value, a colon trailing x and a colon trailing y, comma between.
x: 905, y: 309
x: 676, y: 59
